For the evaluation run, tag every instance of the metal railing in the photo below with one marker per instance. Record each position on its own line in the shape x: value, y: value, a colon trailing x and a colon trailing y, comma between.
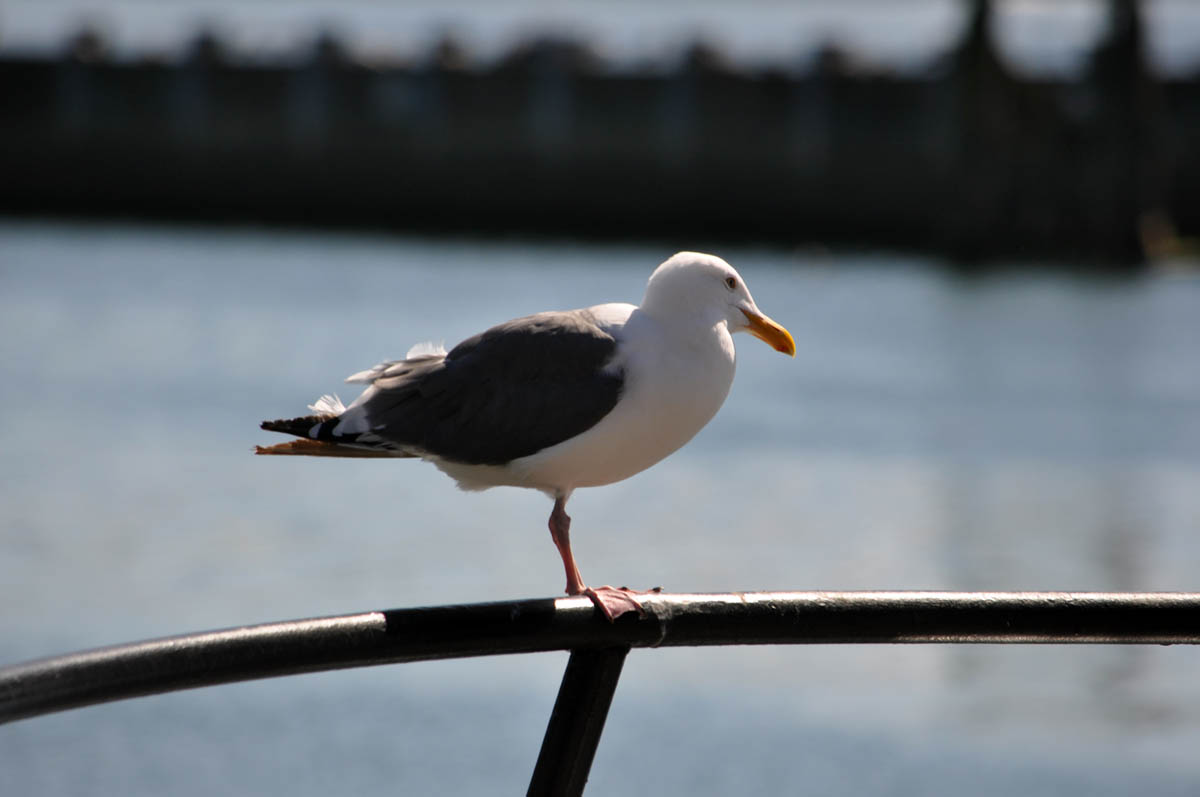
x: 598, y: 648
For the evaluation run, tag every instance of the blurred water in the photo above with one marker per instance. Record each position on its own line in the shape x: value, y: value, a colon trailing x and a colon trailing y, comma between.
x: 1022, y: 431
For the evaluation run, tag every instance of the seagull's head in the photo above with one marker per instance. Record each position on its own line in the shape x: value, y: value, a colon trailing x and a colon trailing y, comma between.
x: 706, y: 288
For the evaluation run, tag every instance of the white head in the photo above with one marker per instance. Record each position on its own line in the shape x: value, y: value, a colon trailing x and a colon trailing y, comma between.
x: 692, y: 285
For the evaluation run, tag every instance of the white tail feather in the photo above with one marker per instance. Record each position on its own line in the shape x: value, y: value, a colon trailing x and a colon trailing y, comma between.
x: 426, y: 349
x: 328, y: 405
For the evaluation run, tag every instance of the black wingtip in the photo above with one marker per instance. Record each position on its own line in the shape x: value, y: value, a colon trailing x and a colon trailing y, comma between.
x: 296, y: 426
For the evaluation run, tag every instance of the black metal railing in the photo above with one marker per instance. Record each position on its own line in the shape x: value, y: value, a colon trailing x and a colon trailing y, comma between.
x: 598, y: 648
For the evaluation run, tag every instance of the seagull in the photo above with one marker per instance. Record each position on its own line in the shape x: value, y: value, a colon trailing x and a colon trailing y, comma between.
x: 557, y: 400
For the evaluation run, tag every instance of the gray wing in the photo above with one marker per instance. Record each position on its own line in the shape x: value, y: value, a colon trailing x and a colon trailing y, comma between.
x: 506, y: 393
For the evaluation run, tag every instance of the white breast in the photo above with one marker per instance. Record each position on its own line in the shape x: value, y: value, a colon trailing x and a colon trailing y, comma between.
x: 675, y: 381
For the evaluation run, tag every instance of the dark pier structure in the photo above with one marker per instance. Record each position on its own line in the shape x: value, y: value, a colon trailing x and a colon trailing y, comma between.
x: 964, y: 156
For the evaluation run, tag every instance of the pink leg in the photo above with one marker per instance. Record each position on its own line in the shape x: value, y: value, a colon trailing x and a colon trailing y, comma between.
x: 560, y: 532
x: 612, y: 602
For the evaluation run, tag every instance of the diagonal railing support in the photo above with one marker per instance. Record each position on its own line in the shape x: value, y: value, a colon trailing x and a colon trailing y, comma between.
x: 576, y: 722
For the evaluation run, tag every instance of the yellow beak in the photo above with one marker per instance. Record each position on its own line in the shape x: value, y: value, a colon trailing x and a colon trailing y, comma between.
x: 769, y: 332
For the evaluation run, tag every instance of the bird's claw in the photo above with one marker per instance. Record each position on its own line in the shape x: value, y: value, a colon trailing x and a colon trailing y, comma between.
x: 615, y: 601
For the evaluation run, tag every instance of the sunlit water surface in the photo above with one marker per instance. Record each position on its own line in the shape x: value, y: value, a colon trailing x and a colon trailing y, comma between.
x: 1021, y: 431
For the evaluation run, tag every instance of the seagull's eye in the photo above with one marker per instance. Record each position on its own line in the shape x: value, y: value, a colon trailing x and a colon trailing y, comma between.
x: 731, y: 283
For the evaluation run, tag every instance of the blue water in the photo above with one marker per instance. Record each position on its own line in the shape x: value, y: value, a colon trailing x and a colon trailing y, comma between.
x: 1027, y: 430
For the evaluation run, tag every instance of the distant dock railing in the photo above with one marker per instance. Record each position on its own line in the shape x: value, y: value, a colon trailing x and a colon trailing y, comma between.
x: 598, y: 648
x: 961, y: 154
